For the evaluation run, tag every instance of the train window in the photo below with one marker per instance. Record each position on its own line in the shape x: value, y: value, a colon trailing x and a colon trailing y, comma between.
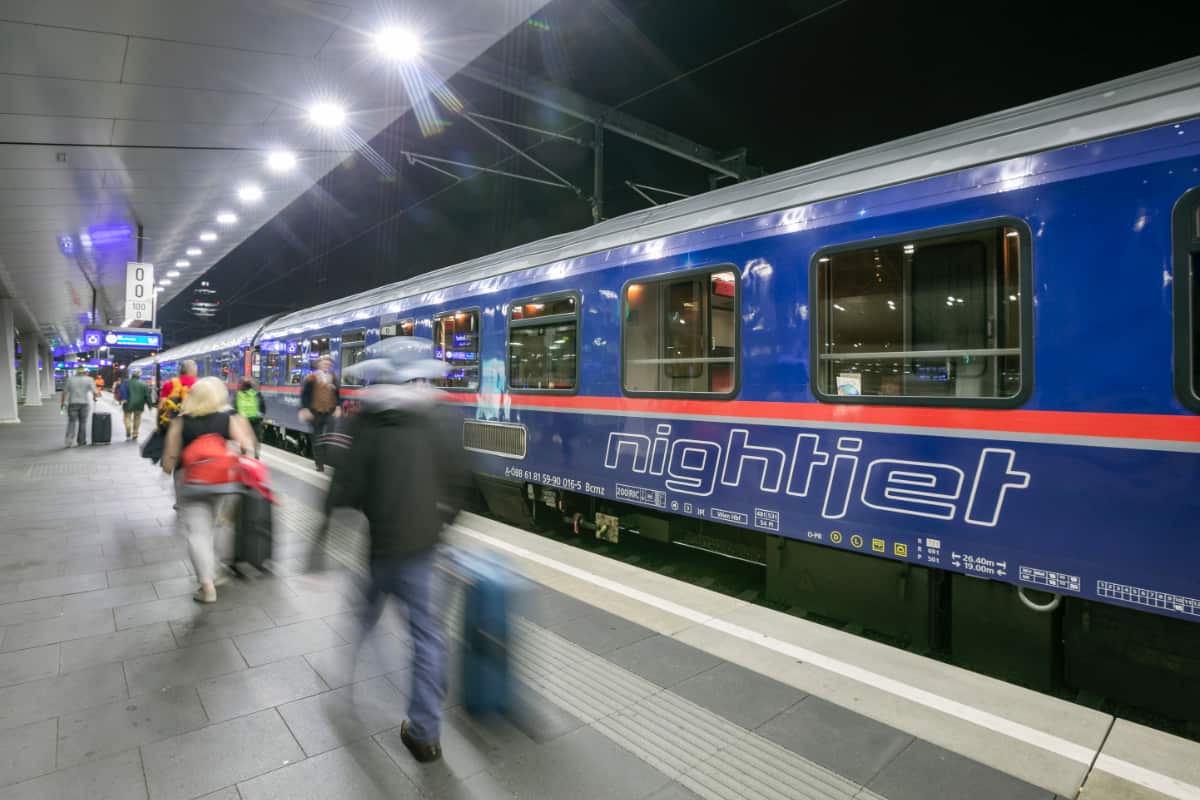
x: 353, y: 352
x: 926, y: 319
x: 543, y: 350
x: 293, y: 370
x: 402, y: 328
x: 456, y: 341
x: 680, y: 334
x: 1187, y: 299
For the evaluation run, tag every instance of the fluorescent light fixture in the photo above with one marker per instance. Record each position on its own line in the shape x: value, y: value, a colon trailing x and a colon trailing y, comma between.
x: 195, y: 251
x: 125, y: 324
x: 158, y: 289
x: 208, y: 236
x: 1013, y: 233
x: 281, y: 161
x: 164, y: 282
x: 249, y: 193
x: 183, y: 263
x: 398, y: 43
x: 226, y: 218
x: 174, y: 273
x: 327, y: 115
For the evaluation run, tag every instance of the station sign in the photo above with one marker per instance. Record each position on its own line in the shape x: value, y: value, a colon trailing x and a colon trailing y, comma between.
x: 123, y: 338
x: 139, y: 291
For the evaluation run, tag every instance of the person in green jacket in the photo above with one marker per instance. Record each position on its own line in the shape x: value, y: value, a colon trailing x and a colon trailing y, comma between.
x: 137, y: 399
x: 252, y: 406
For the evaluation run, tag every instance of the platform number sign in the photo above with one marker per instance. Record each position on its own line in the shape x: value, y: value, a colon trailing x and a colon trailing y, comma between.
x: 139, y: 291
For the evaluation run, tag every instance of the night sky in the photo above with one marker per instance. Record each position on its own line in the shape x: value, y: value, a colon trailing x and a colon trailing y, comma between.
x: 835, y: 78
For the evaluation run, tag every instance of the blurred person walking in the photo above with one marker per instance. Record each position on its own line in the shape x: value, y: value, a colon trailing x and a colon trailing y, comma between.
x: 77, y: 395
x: 400, y: 463
x: 174, y: 392
x: 320, y: 400
x: 197, y: 447
x: 135, y: 397
x: 252, y: 406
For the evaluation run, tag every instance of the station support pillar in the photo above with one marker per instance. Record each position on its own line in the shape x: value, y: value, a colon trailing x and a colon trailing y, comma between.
x: 47, y: 372
x: 8, y: 357
x: 33, y: 378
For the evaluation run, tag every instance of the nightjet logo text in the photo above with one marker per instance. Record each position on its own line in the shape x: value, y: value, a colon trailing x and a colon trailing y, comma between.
x: 833, y: 474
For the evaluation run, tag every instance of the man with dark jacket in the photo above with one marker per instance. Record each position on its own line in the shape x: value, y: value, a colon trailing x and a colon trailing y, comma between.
x: 404, y: 472
x: 320, y: 400
x: 135, y: 399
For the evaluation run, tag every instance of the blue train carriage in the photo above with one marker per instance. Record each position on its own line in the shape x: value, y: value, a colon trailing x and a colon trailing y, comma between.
x: 229, y: 355
x: 906, y: 380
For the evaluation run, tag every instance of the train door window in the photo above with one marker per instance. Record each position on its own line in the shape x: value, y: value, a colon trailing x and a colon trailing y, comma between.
x: 935, y: 318
x: 456, y: 341
x: 404, y: 327
x: 294, y: 364
x: 1187, y: 299
x: 353, y: 352
x: 318, y: 348
x: 256, y: 365
x: 543, y: 351
x: 680, y: 334
x: 271, y: 369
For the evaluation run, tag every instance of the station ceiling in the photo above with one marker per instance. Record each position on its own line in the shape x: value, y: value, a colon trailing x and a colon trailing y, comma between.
x: 154, y: 113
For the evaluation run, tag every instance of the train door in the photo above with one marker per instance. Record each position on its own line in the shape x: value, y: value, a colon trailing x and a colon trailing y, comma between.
x: 1187, y: 299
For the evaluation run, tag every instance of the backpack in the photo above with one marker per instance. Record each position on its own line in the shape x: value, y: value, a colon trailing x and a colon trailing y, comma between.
x: 208, y: 463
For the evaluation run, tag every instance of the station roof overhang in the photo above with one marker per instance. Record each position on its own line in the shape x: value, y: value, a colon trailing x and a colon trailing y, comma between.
x: 153, y: 113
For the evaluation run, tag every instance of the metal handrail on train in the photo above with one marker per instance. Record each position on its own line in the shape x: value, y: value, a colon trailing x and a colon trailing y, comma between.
x: 981, y: 351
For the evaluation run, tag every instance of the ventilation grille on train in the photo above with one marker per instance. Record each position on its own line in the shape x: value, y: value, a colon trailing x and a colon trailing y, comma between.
x: 497, y: 438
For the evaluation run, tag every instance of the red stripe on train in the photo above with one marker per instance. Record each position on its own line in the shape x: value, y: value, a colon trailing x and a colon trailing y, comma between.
x: 1158, y: 427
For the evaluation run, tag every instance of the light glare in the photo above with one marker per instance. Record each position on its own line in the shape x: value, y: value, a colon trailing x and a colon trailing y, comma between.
x: 398, y: 44
x: 183, y: 263
x: 249, y: 193
x: 226, y: 218
x: 173, y: 273
x: 281, y: 161
x: 208, y: 236
x: 326, y: 115
x: 195, y: 251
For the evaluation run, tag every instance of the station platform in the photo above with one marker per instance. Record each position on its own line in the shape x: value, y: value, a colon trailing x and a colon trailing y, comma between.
x: 115, y: 684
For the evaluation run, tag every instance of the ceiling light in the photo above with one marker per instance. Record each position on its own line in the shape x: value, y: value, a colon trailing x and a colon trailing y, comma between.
x: 281, y: 161
x: 398, y: 44
x: 164, y: 282
x: 326, y: 115
x: 158, y: 289
x: 208, y: 236
x: 249, y: 193
x: 195, y: 251
x: 174, y: 273
x: 226, y: 218
x: 183, y: 263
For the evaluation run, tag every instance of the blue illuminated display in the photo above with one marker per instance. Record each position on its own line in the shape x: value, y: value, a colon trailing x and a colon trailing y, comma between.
x: 130, y: 340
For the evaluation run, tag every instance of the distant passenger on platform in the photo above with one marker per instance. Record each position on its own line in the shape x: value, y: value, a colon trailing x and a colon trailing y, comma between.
x: 320, y: 401
x: 135, y: 398
x: 252, y: 406
x: 401, y: 462
x: 200, y: 503
x: 174, y: 392
x: 77, y: 395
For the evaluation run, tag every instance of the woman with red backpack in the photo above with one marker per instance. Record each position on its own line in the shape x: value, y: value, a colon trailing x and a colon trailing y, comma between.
x: 198, y: 443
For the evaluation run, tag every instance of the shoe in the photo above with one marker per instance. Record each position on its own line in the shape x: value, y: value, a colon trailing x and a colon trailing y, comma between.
x: 202, y: 596
x: 425, y: 752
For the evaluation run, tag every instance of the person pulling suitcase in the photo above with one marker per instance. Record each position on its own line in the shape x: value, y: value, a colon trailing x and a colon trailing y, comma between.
x: 401, y: 462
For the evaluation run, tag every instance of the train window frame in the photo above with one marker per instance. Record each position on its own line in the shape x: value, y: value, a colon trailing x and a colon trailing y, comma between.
x: 1025, y: 312
x: 679, y: 275
x: 1185, y: 258
x: 343, y: 346
x: 576, y: 316
x: 478, y: 312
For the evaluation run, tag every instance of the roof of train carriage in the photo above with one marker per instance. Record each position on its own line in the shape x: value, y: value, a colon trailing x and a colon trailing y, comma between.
x: 1147, y: 99
x: 239, y: 336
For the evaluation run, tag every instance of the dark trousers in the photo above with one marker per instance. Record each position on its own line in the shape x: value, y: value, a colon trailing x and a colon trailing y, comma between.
x: 320, y: 423
x: 257, y: 424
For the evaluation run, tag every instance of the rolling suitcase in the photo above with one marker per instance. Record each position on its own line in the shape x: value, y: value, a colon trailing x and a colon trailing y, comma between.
x: 489, y: 594
x: 254, y: 532
x: 101, y: 427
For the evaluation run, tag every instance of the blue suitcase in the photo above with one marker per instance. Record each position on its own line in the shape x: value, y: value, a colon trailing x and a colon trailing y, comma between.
x: 485, y: 663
